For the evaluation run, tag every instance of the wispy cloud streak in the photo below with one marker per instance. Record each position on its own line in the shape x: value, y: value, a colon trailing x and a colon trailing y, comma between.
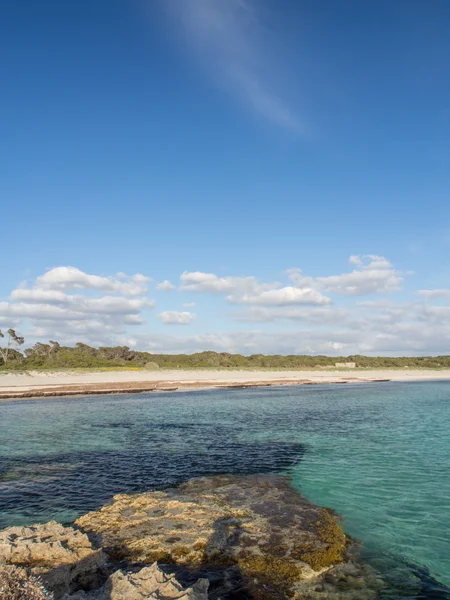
x: 225, y: 34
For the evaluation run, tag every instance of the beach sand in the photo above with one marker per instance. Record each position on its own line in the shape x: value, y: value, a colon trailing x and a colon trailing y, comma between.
x: 66, y: 383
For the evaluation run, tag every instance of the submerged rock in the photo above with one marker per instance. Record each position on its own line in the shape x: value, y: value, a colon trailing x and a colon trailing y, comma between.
x: 254, y: 535
x: 61, y: 556
x: 149, y: 582
x: 222, y: 537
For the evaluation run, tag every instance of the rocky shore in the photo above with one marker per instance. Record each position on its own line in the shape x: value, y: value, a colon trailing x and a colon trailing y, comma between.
x: 227, y: 537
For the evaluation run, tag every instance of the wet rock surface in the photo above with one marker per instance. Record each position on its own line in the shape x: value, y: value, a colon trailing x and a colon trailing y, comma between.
x: 249, y: 535
x: 227, y: 537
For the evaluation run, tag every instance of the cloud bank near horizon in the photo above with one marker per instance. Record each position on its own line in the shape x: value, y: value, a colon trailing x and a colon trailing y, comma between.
x: 362, y: 310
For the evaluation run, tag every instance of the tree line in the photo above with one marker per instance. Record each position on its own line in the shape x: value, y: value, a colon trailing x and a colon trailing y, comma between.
x: 52, y: 355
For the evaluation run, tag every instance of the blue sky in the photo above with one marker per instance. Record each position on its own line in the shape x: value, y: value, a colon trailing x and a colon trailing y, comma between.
x: 230, y: 142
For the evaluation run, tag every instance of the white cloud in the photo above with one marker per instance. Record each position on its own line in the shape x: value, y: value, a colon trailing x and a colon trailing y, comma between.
x: 133, y: 320
x: 409, y: 339
x: 300, y: 280
x: 283, y: 297
x: 75, y: 302
x: 197, y: 281
x: 441, y: 293
x: 6, y: 321
x: 316, y: 316
x: 113, y: 305
x: 397, y: 339
x: 225, y: 35
x: 173, y: 317
x: 69, y: 305
x: 38, y: 311
x: 78, y: 308
x: 89, y: 331
x: 386, y: 312
x: 139, y: 278
x: 336, y: 346
x: 373, y: 274
x: 50, y: 304
x: 71, y: 278
x: 255, y: 342
x: 248, y: 290
x: 38, y: 295
x: 435, y: 314
x: 165, y: 286
x: 376, y: 304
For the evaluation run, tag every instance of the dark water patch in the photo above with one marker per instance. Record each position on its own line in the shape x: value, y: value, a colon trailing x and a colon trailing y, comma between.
x: 407, y: 581
x: 76, y: 483
x: 112, y: 425
x: 429, y: 587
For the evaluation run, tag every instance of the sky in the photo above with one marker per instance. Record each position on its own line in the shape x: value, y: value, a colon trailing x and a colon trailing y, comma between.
x: 253, y: 176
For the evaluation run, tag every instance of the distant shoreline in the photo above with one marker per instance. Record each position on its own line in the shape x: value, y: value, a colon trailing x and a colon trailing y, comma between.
x: 45, y: 384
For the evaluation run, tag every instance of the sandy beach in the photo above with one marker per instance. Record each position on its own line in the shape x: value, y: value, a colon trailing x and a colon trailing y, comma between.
x: 36, y: 384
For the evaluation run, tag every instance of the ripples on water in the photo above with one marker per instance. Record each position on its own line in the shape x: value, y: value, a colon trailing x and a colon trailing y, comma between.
x: 379, y: 454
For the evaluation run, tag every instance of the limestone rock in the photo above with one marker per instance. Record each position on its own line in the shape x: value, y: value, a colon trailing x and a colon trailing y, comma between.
x: 148, y: 583
x: 222, y: 537
x: 254, y: 534
x: 61, y: 556
x: 17, y: 584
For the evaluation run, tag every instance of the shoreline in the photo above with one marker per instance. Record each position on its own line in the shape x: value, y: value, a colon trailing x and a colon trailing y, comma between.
x: 41, y: 384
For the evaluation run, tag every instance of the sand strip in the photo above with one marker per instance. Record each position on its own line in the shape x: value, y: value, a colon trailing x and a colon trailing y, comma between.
x: 40, y: 384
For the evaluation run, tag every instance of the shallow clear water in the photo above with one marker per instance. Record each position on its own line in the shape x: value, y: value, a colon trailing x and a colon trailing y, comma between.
x: 377, y: 453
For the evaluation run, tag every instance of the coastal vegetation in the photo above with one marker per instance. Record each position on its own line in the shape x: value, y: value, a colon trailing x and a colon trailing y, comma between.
x: 12, y: 340
x: 53, y: 356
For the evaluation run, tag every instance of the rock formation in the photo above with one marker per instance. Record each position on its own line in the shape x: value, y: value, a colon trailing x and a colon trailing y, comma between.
x: 149, y: 582
x: 17, y: 584
x: 61, y: 556
x: 254, y: 533
x: 251, y: 536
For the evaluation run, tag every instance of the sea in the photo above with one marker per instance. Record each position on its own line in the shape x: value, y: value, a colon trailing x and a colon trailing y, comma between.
x: 377, y: 453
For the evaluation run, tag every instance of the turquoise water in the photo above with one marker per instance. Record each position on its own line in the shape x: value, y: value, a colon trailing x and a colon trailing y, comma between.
x: 377, y: 453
